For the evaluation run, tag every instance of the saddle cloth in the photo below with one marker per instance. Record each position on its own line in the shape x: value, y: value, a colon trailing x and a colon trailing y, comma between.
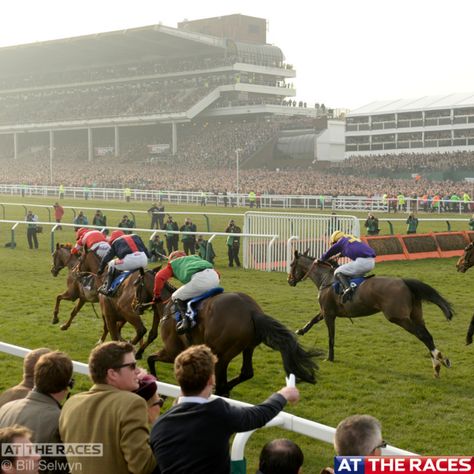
x: 355, y: 283
x: 193, y: 304
x: 119, y: 280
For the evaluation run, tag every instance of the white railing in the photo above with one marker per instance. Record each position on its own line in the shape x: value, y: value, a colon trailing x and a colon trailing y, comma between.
x: 283, y: 420
x: 339, y: 203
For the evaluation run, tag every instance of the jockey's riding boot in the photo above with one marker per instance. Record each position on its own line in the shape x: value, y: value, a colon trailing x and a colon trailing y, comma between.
x: 105, y: 288
x: 344, y: 281
x: 185, y: 323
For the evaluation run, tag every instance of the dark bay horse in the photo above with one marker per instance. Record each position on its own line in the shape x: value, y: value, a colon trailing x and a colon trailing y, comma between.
x: 399, y: 299
x: 63, y: 258
x: 466, y: 261
x: 230, y: 324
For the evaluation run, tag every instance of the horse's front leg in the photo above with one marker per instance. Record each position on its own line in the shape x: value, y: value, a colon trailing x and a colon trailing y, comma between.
x: 331, y: 325
x: 77, y: 308
x: 302, y: 331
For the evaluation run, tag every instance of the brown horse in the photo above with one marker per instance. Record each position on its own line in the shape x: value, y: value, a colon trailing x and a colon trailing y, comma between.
x: 230, y: 324
x: 465, y: 262
x: 63, y: 258
x: 116, y: 310
x: 399, y: 299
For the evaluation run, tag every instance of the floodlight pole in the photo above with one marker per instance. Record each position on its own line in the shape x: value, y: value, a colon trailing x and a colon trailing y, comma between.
x: 237, y: 174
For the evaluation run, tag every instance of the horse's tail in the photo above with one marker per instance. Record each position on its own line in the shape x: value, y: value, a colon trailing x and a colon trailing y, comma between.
x: 296, y: 360
x: 470, y: 332
x: 422, y: 291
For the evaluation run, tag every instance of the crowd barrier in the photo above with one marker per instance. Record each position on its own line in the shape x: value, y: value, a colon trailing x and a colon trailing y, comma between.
x: 283, y: 420
x: 418, y: 246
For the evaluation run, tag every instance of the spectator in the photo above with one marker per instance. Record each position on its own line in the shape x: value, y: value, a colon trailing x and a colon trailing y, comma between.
x: 157, y: 249
x: 130, y: 253
x: 26, y: 385
x: 25, y: 464
x: 233, y: 243
x: 40, y: 409
x: 157, y: 213
x: 126, y: 223
x: 32, y: 230
x: 61, y: 191
x: 412, y: 223
x: 171, y: 239
x: 372, y: 225
x: 359, y: 435
x: 205, y: 250
x: 193, y: 436
x: 58, y: 214
x: 80, y: 221
x: 189, y: 240
x: 281, y: 456
x: 109, y: 413
x: 127, y: 192
x: 100, y: 220
x: 148, y: 391
x: 471, y: 223
x: 252, y: 199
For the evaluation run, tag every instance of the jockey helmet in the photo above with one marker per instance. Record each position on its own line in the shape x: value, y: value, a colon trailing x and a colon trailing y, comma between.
x: 80, y: 233
x: 115, y: 235
x: 176, y: 254
x: 336, y: 236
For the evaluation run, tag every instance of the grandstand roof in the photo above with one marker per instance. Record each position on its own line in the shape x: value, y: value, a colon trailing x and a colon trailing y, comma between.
x: 122, y: 46
x: 457, y: 100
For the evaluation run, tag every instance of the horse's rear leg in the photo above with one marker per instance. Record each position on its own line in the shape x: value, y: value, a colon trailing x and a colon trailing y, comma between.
x: 302, y: 331
x: 246, y: 371
x: 419, y: 330
x: 140, y: 329
x: 470, y: 332
x: 77, y: 308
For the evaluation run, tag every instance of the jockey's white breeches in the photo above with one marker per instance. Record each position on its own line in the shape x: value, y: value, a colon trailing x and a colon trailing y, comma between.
x: 201, y: 282
x: 358, y: 267
x: 132, y: 261
x: 101, y: 248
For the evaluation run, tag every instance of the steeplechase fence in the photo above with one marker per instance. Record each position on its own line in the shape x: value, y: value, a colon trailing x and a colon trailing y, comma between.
x: 283, y: 420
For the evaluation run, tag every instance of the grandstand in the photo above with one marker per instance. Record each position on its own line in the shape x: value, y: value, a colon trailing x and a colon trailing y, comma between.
x: 161, y: 95
x: 435, y: 124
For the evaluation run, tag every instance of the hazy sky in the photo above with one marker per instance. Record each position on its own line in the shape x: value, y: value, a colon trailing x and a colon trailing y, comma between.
x: 346, y: 53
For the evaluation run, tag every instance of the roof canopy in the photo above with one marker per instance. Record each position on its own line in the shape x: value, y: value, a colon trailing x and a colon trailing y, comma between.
x: 123, y: 46
x: 449, y: 101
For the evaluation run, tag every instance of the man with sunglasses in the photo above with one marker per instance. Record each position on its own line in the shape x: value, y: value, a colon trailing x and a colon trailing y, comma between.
x: 110, y: 414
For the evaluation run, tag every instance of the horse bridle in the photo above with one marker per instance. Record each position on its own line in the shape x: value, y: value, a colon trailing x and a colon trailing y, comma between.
x: 466, y: 264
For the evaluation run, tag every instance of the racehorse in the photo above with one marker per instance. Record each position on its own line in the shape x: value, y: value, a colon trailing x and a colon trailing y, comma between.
x: 116, y: 310
x: 230, y: 324
x: 399, y: 299
x: 62, y: 257
x: 466, y: 261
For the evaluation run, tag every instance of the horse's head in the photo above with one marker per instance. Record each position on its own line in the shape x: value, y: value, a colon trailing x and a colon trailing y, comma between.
x: 299, y: 268
x: 61, y: 257
x: 466, y: 260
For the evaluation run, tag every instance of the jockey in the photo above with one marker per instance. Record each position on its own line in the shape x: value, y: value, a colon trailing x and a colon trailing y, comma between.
x: 198, y: 276
x: 91, y: 239
x: 131, y: 254
x: 362, y: 256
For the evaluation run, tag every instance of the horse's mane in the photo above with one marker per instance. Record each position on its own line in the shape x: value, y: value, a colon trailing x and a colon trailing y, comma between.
x: 66, y: 245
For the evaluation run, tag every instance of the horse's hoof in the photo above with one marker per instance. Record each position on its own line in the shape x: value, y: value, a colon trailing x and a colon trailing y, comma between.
x: 447, y: 363
x: 468, y: 341
x: 328, y: 360
x: 299, y: 332
x: 139, y: 355
x: 56, y: 321
x: 64, y: 327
